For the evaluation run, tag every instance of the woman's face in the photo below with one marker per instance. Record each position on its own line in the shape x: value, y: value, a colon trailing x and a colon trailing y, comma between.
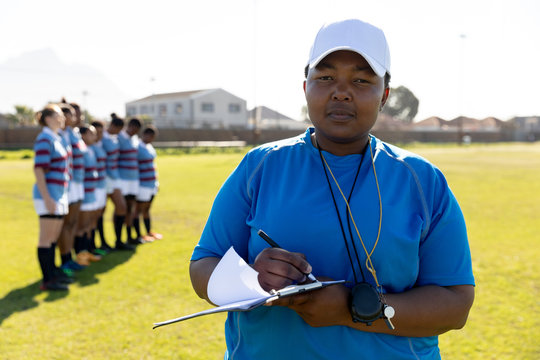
x: 55, y: 121
x: 90, y: 137
x: 344, y: 97
x: 99, y: 132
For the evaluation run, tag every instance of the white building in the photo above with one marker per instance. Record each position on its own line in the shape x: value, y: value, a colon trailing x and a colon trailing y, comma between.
x: 199, y: 109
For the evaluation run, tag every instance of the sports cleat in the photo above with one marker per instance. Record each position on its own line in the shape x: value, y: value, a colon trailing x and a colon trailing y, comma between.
x: 156, y: 236
x: 137, y: 241
x: 61, y: 277
x: 53, y: 285
x: 72, y: 266
x: 91, y: 257
x: 106, y: 247
x: 124, y: 247
x: 100, y: 252
x: 82, y: 258
x: 148, y: 238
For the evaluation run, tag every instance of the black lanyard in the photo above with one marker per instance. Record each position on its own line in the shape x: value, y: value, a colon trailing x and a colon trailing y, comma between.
x: 347, y: 212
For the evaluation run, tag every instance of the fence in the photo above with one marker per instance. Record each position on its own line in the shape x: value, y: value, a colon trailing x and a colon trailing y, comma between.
x: 23, y: 137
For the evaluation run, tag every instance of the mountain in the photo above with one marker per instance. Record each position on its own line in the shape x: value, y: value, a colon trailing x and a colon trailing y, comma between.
x: 38, y: 77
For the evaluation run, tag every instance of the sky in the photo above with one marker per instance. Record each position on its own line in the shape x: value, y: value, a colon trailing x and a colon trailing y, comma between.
x: 474, y: 58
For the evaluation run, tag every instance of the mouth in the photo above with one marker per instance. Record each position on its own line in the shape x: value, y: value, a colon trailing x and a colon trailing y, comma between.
x: 340, y: 114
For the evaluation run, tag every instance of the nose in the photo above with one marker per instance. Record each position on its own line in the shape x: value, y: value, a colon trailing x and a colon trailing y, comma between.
x: 341, y: 92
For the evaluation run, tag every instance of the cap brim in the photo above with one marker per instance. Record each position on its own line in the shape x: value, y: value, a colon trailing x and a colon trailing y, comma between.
x: 377, y: 68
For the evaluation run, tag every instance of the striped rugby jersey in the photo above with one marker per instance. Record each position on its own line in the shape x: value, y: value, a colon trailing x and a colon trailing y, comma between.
x: 112, y: 149
x: 128, y: 166
x: 90, y: 175
x: 51, y: 155
x: 66, y: 142
x: 78, y: 148
x: 101, y: 157
x: 147, y: 169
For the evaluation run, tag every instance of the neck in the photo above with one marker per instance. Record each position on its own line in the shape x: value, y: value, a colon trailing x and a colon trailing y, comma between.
x: 54, y: 129
x: 340, y: 149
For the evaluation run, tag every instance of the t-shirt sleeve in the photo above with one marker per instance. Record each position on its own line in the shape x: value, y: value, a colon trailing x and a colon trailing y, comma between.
x: 445, y: 257
x: 42, y: 151
x: 226, y: 225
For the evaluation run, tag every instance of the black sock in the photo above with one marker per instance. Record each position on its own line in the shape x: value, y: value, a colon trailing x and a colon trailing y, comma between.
x: 100, y: 230
x: 137, y: 227
x: 147, y: 224
x: 92, y: 240
x: 86, y: 242
x: 53, y: 247
x: 66, y: 258
x: 118, y: 224
x: 79, y: 244
x: 44, y: 255
x: 128, y: 232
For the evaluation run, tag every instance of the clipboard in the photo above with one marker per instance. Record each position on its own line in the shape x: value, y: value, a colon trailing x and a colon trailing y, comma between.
x: 250, y: 304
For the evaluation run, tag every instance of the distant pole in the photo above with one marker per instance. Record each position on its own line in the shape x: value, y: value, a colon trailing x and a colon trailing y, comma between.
x: 152, y: 88
x: 84, y: 94
x: 462, y: 37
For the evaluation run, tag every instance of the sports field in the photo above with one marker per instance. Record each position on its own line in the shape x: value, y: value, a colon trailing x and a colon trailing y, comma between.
x: 108, y: 313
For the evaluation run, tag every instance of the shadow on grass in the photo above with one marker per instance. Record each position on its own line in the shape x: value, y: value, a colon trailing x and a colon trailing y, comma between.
x: 22, y: 299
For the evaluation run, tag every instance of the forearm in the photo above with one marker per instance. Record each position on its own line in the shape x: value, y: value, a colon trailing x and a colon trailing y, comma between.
x: 200, y: 271
x: 424, y: 311
x: 41, y: 183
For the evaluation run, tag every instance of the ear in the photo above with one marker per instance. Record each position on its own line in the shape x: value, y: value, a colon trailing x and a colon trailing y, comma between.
x: 385, y: 97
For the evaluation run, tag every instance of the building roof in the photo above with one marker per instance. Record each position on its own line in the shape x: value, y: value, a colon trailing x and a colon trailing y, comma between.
x: 181, y: 94
x: 267, y: 113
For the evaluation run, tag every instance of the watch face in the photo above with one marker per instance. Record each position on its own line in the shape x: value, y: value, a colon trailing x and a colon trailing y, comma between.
x: 365, y: 303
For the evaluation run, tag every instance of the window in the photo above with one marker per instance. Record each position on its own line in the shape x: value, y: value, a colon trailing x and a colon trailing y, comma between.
x: 132, y: 110
x: 207, y: 107
x: 234, y: 108
x: 162, y: 109
x: 144, y: 109
x: 178, y: 108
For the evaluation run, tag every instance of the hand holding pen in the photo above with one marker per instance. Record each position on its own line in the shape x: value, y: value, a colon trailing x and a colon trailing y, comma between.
x: 294, y: 259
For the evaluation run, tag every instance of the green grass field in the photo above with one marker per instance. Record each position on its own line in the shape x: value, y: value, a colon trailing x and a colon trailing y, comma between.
x: 108, y: 313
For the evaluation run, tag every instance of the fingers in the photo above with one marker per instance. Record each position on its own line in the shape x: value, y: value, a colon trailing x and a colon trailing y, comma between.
x: 279, y: 268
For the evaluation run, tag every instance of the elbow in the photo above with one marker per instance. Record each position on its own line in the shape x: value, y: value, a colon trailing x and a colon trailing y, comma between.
x: 465, y: 296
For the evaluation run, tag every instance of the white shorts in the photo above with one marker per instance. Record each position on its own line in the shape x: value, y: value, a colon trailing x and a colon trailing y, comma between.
x: 75, y: 192
x: 89, y: 206
x: 62, y: 206
x: 111, y: 184
x: 101, y: 197
x: 145, y: 193
x: 129, y: 187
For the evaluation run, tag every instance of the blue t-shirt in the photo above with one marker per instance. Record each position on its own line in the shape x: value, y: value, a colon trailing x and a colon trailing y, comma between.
x: 51, y: 155
x: 128, y: 166
x: 147, y: 169
x: 281, y: 188
x: 112, y: 149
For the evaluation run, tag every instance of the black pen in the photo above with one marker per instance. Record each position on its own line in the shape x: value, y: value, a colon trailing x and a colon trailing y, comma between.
x: 274, y: 244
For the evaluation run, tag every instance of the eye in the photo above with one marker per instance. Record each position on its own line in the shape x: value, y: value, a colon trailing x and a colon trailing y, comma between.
x: 324, y: 78
x: 361, y: 81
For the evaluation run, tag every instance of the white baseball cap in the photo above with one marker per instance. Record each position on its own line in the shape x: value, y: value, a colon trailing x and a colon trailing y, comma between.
x: 353, y: 35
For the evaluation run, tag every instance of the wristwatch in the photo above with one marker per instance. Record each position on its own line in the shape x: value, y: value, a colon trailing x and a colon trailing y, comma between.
x: 366, y: 306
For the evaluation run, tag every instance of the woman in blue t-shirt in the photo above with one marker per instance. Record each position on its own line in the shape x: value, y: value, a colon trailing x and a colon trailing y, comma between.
x: 88, y: 212
x: 50, y: 191
x: 343, y: 205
